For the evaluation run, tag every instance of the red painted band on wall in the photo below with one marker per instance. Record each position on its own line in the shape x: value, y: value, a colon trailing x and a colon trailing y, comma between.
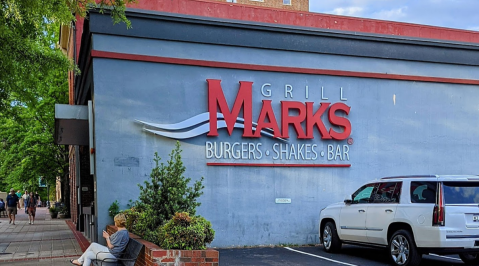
x: 277, y: 165
x: 228, y: 10
x: 312, y: 71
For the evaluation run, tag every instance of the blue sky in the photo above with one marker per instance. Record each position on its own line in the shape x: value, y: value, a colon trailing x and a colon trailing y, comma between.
x: 460, y: 14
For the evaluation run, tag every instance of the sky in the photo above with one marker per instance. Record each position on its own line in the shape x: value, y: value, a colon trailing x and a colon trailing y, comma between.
x: 459, y: 14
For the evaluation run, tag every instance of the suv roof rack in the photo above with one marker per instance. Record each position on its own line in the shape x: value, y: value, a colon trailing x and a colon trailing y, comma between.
x: 409, y: 176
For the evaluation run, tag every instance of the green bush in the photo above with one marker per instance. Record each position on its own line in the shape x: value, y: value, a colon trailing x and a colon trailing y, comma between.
x: 185, y: 232
x: 114, y: 209
x: 168, y: 192
x: 168, y: 195
x: 53, y: 209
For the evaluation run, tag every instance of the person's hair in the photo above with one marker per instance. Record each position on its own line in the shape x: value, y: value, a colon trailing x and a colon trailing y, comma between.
x: 120, y: 220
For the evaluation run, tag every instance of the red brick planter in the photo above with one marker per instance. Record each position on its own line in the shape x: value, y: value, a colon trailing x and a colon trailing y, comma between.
x: 154, y: 255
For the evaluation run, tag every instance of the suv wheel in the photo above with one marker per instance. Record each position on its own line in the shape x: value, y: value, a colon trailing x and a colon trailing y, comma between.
x: 331, y: 242
x: 402, y: 250
x: 470, y: 258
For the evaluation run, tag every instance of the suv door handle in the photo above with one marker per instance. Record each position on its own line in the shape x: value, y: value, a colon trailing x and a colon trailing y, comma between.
x: 361, y: 211
x: 388, y: 210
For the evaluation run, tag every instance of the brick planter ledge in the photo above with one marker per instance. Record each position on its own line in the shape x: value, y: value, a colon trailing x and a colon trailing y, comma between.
x: 152, y: 254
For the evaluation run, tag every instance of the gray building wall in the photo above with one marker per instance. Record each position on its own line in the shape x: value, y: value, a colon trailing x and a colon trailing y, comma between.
x: 398, y: 128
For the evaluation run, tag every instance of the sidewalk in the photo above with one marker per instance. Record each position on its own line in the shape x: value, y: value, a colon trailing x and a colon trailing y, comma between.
x: 47, y: 242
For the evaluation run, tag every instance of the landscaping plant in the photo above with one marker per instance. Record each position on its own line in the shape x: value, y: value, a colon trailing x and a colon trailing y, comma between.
x: 168, y: 195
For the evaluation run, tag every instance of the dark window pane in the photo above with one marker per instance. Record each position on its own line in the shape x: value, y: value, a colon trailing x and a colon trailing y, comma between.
x: 363, y: 194
x: 423, y: 192
x: 461, y: 192
x: 397, y: 192
x: 387, y: 192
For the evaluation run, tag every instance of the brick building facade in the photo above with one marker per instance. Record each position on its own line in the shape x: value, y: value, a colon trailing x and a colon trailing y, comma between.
x: 298, y: 5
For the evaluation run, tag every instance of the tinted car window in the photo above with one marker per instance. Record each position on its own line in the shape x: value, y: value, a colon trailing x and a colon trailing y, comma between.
x: 461, y: 192
x: 363, y: 194
x: 423, y: 192
x: 387, y: 192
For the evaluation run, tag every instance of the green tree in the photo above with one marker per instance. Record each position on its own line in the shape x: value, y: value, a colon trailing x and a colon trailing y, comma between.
x: 33, y: 77
x: 168, y: 192
x: 26, y: 50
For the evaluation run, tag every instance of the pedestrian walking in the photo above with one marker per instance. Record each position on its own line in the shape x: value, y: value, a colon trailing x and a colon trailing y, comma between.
x: 24, y: 197
x: 19, y: 195
x: 32, y: 207
x: 12, y: 204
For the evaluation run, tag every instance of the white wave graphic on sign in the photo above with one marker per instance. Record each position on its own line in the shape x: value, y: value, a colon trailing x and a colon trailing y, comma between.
x: 198, y: 125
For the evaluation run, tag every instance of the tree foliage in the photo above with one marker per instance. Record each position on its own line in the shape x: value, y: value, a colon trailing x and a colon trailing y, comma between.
x: 33, y: 77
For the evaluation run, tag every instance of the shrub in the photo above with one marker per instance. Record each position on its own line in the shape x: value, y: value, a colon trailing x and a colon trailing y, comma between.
x: 114, y: 209
x: 168, y: 195
x: 168, y: 192
x: 186, y: 233
x: 53, y: 209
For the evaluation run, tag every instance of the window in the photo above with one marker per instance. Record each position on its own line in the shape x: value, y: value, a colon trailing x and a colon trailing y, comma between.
x: 461, y: 192
x: 423, y: 192
x: 387, y: 192
x: 231, y: 1
x: 363, y: 194
x: 286, y: 2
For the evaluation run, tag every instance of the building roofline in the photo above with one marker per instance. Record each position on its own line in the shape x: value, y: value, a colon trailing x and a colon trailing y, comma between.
x: 277, y: 16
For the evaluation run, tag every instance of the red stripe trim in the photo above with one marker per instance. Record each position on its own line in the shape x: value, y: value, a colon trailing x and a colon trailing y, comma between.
x: 278, y: 165
x: 340, y: 73
x: 305, y: 19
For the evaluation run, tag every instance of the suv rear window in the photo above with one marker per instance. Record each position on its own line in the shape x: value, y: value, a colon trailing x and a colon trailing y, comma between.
x: 423, y: 192
x: 461, y: 192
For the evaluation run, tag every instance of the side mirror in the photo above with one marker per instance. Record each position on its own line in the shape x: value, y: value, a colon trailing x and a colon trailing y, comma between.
x: 348, y: 199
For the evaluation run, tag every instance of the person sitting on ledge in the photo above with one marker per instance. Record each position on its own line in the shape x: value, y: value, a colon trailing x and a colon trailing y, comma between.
x: 116, y: 243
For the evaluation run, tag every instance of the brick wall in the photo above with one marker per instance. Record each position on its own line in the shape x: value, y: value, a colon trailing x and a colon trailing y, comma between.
x: 152, y: 254
x: 299, y: 5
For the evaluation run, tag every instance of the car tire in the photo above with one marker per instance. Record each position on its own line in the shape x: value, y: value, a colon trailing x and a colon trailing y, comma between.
x: 330, y: 238
x: 402, y: 249
x: 470, y: 258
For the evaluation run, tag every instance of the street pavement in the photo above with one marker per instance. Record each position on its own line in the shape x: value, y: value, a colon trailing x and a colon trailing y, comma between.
x: 47, y: 242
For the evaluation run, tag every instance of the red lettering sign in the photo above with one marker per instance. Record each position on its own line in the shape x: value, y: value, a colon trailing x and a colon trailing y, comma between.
x: 267, y: 118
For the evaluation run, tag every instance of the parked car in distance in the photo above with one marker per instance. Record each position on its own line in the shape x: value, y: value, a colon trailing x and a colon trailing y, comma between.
x: 408, y: 216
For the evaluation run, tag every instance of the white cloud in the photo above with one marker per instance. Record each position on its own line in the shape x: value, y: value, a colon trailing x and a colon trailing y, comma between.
x: 476, y: 28
x: 393, y: 14
x: 347, y: 11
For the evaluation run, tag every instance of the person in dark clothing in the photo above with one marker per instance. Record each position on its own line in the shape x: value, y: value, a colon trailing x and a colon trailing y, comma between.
x: 31, y: 207
x: 12, y: 204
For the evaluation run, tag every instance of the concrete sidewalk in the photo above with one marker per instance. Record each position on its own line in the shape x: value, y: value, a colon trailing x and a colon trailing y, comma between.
x: 47, y: 242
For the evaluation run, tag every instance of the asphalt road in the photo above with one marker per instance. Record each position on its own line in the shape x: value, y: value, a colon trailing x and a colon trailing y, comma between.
x: 302, y: 256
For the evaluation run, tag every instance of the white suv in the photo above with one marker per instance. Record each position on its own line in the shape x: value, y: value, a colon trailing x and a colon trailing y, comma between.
x: 410, y: 216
